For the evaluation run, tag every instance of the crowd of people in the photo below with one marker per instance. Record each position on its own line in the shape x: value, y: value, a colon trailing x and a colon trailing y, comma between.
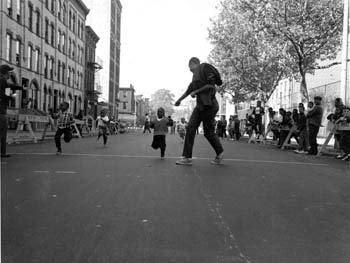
x: 302, y: 124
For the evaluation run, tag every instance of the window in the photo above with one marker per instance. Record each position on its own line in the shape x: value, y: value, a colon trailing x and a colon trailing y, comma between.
x: 73, y: 77
x: 29, y: 57
x: 36, y: 60
x: 30, y: 17
x: 69, y: 76
x: 70, y: 47
x: 73, y: 50
x: 18, y: 10
x: 46, y: 64
x: 37, y: 26
x: 78, y: 78
x: 78, y: 28
x: 63, y: 41
x: 59, y: 10
x: 51, y: 67
x: 9, y: 7
x: 46, y: 31
x: 8, y: 47
x: 73, y: 25
x: 64, y: 13
x: 59, y: 70
x: 53, y: 6
x: 81, y: 55
x: 70, y: 19
x: 59, y: 39
x: 18, y: 52
x: 47, y: 4
x: 63, y: 72
x: 124, y: 105
x: 52, y: 34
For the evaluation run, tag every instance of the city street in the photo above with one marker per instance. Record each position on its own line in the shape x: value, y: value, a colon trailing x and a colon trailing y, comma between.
x: 122, y: 203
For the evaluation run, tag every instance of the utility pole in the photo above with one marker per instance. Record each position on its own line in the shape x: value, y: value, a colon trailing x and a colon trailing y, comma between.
x: 344, y: 85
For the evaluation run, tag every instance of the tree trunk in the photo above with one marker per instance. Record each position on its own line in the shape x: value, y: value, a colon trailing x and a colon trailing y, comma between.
x: 303, y: 89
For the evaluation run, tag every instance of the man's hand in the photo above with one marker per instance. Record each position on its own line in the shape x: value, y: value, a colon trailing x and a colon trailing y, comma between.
x: 193, y: 94
x: 177, y: 103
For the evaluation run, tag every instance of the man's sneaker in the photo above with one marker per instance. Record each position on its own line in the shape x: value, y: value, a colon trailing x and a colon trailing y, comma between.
x: 218, y: 159
x: 184, y: 161
x: 300, y: 151
x: 347, y: 157
x: 58, y: 152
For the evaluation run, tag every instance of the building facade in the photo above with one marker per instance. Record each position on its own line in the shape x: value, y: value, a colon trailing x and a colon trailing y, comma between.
x: 45, y: 42
x: 142, y: 107
x: 127, y: 105
x: 105, y: 17
x: 91, y: 67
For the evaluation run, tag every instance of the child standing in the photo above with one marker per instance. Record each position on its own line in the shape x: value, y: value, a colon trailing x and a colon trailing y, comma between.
x: 160, y: 126
x: 181, y: 129
x: 64, y: 122
x: 102, y: 122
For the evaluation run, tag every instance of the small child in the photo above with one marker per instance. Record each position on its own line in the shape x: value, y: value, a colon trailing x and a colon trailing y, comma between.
x: 160, y: 126
x: 102, y: 122
x: 181, y: 129
x: 64, y: 122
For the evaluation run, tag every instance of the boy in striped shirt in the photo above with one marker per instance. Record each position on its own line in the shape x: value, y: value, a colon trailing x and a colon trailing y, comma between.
x: 64, y: 122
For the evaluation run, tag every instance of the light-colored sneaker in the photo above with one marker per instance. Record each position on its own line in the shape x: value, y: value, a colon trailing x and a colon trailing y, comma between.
x: 59, y: 153
x: 184, y: 161
x: 218, y: 159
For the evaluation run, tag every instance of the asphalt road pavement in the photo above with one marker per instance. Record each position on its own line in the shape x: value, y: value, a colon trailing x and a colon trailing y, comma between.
x: 121, y: 203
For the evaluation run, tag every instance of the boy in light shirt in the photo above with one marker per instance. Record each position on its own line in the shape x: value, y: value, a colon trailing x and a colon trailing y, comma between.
x: 102, y: 122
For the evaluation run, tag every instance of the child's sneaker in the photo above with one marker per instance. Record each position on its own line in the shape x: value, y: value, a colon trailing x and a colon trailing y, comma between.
x: 184, y: 161
x: 218, y: 159
x: 162, y: 158
x: 59, y: 153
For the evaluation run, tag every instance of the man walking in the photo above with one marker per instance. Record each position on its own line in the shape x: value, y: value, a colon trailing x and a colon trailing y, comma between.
x: 4, y: 100
x: 314, y: 118
x: 202, y: 87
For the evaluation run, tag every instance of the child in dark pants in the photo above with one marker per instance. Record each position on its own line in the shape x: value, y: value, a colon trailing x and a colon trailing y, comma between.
x: 64, y: 122
x: 160, y: 127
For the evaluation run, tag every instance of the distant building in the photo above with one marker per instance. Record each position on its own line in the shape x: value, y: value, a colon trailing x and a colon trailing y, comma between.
x: 45, y: 42
x: 127, y: 105
x: 105, y: 18
x: 91, y: 66
x: 142, y: 107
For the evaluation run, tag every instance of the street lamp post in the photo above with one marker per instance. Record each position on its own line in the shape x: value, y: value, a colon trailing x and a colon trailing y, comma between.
x: 344, y: 87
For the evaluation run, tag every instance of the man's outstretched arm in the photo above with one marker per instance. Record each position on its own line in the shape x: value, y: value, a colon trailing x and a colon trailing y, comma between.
x: 187, y: 92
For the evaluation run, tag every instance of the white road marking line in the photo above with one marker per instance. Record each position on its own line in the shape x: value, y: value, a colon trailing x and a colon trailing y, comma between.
x: 65, y: 172
x: 42, y: 172
x: 177, y: 157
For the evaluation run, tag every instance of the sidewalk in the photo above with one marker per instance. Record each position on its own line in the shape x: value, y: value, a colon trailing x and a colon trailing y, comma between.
x: 26, y: 137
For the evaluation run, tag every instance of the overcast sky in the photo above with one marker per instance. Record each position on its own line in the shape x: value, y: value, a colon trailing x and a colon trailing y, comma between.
x: 157, y: 39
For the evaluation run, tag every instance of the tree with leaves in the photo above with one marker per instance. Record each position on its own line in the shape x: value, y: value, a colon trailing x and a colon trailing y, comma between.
x: 250, y: 66
x: 162, y: 98
x: 309, y: 31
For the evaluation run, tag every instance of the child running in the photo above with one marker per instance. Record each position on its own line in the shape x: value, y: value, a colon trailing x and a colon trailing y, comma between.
x: 102, y: 122
x: 160, y: 126
x: 181, y: 129
x: 64, y: 122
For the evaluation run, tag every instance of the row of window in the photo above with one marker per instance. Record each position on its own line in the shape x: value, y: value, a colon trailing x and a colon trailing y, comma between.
x: 33, y: 63
x: 74, y: 24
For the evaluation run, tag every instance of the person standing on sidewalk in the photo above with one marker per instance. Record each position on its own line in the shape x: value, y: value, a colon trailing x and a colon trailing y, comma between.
x: 147, y: 123
x: 314, y: 117
x: 4, y: 100
x: 202, y: 86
